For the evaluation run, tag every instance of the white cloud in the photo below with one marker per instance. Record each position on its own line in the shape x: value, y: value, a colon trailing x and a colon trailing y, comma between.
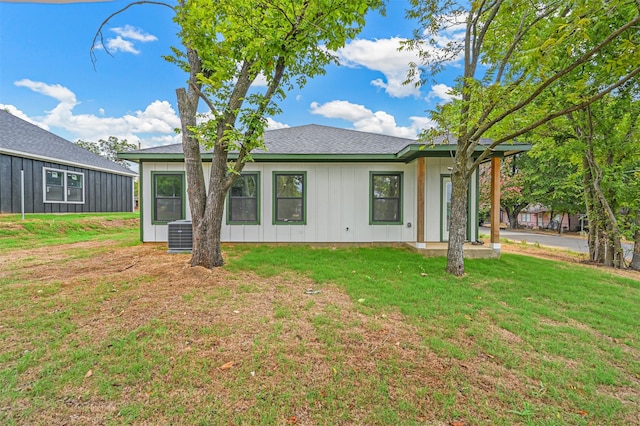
x: 118, y: 44
x: 151, y: 127
x: 385, y: 56
x: 133, y: 33
x: 366, y: 120
x: 273, y: 124
x: 55, y: 91
x: 382, y: 55
x: 125, y: 40
x: 455, y: 28
x: 442, y: 92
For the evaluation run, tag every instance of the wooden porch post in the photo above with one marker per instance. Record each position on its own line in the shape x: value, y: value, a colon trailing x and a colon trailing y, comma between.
x: 422, y: 172
x: 495, y: 204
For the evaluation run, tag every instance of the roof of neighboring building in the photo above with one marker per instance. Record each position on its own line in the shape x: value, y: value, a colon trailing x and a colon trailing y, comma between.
x: 322, y: 143
x: 23, y: 139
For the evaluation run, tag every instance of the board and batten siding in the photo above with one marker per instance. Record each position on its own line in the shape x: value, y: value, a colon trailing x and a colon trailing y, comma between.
x: 337, y: 204
x: 103, y: 191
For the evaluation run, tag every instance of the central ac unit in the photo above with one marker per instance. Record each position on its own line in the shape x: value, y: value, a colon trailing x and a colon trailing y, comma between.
x: 180, y: 236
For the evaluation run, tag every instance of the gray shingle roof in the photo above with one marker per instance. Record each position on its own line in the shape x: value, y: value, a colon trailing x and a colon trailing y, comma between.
x: 315, y: 139
x: 324, y: 141
x: 21, y: 138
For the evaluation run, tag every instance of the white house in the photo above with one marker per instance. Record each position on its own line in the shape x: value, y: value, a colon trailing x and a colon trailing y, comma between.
x: 318, y: 184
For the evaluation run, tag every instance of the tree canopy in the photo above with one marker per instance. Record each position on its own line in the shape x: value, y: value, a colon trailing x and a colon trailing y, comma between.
x: 109, y: 148
x: 524, y: 65
x: 242, y: 57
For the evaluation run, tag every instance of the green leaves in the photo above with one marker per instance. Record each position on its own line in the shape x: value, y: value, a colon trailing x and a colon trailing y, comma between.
x: 253, y: 51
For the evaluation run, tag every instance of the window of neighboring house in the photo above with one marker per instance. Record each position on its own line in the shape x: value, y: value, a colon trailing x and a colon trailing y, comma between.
x: 243, y: 200
x: 63, y: 186
x: 168, y: 196
x: 289, y: 198
x: 386, y: 198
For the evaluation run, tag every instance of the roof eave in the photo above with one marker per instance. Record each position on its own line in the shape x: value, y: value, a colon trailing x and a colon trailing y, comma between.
x: 66, y: 163
x: 413, y: 151
x: 268, y: 157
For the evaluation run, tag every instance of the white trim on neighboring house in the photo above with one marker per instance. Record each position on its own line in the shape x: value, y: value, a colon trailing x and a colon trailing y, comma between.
x: 64, y: 162
x: 65, y: 188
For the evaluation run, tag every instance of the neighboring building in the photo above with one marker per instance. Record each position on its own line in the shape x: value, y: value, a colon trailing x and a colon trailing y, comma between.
x: 318, y: 184
x: 539, y: 217
x: 59, y: 176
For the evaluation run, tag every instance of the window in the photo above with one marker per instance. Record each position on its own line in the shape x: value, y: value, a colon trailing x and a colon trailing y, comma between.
x: 386, y: 198
x: 63, y: 186
x: 168, y: 197
x: 289, y: 194
x: 242, y: 206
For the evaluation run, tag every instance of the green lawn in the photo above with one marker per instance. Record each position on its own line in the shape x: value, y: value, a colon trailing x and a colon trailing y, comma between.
x: 124, y: 334
x: 38, y: 230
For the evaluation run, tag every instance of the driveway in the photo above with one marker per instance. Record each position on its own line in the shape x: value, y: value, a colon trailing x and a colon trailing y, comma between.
x: 572, y: 242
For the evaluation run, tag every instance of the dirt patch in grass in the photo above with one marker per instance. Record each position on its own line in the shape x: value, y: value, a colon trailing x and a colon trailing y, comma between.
x: 238, y: 344
x: 565, y: 256
x: 245, y: 339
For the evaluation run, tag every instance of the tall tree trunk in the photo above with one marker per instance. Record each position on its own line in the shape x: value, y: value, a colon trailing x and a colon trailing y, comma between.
x: 458, y: 220
x: 513, y: 218
x: 635, y: 260
x: 211, y: 255
x: 561, y: 222
x: 613, y: 246
x: 592, y: 216
x: 203, y: 253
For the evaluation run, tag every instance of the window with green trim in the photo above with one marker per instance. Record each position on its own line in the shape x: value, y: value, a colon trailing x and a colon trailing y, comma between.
x: 243, y: 199
x: 168, y: 196
x: 289, y: 198
x: 386, y: 198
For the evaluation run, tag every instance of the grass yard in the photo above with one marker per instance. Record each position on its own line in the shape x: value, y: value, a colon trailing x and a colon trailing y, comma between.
x: 96, y: 328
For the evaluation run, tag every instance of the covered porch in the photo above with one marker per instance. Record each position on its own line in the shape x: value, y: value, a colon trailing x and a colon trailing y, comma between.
x: 490, y: 249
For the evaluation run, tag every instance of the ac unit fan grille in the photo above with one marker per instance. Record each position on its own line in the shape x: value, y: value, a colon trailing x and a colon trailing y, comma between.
x: 180, y: 236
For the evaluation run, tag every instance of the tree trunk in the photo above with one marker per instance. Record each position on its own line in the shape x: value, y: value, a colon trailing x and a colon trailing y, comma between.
x: 614, y: 255
x: 589, y: 201
x: 513, y: 219
x: 635, y: 260
x: 204, y: 251
x: 458, y: 221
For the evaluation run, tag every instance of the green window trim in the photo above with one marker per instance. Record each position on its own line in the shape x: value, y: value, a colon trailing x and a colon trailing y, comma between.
x: 374, y: 178
x: 154, y: 200
x: 280, y: 201
x: 231, y: 198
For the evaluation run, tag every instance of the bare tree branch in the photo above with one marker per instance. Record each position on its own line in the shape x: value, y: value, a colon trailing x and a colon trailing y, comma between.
x: 99, y: 34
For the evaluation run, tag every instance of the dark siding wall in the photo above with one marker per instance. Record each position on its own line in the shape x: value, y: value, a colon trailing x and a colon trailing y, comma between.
x: 36, y: 182
x: 103, y: 192
x: 5, y: 183
x: 16, y: 167
x: 28, y: 189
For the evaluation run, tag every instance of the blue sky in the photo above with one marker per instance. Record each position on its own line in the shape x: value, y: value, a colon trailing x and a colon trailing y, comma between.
x: 47, y: 77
